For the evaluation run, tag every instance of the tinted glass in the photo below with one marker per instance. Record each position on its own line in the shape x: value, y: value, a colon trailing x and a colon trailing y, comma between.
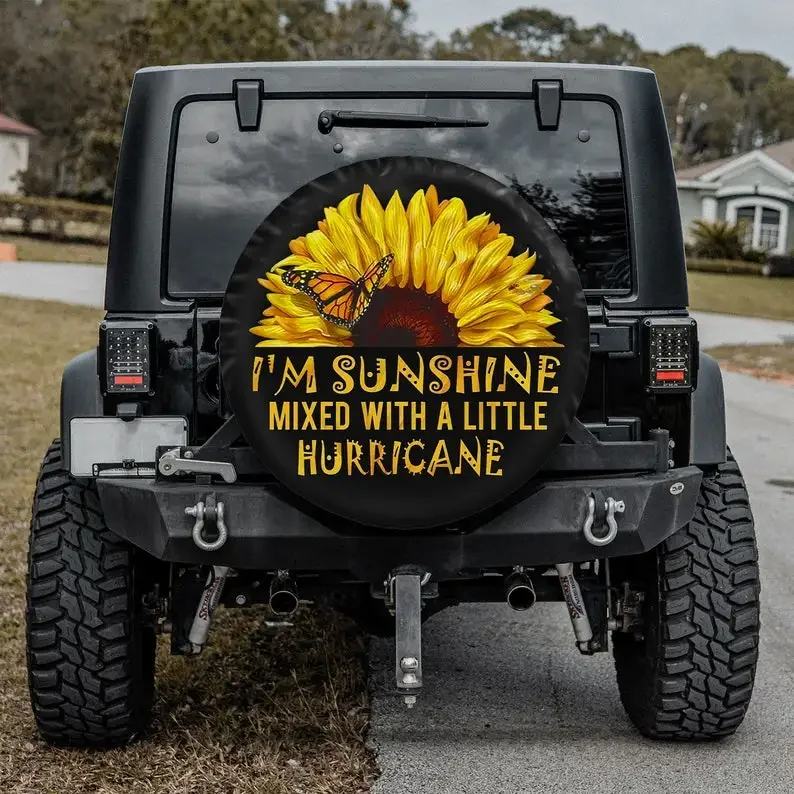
x: 222, y: 190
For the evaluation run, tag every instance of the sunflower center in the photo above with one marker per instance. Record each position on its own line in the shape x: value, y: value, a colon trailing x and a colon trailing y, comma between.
x: 405, y: 317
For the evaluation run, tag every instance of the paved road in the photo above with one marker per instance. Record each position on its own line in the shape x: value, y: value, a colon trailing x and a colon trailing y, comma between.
x: 80, y: 284
x: 727, y: 329
x: 511, y: 707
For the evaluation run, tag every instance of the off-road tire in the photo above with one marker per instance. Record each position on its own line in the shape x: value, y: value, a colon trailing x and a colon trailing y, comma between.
x: 690, y: 677
x: 90, y: 654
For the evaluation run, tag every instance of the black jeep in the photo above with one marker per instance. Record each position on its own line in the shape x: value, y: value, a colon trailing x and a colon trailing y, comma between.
x: 394, y: 337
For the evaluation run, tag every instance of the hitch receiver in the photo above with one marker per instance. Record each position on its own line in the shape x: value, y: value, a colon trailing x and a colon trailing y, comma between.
x: 405, y: 592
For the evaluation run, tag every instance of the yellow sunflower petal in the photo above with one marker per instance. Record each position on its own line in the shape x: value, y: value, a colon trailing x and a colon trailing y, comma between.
x: 328, y: 256
x: 372, y: 218
x: 304, y: 325
x: 293, y: 305
x: 464, y: 246
x: 546, y: 318
x: 536, y: 304
x: 488, y: 260
x: 272, y: 282
x: 296, y: 260
x: 418, y: 217
x: 520, y: 336
x: 440, y: 253
x: 486, y: 311
x: 298, y: 247
x: 510, y: 320
x: 491, y: 232
x: 344, y: 239
x: 347, y: 208
x: 431, y: 196
x: 521, y: 264
x: 466, y: 301
x: 370, y: 251
x: 398, y: 239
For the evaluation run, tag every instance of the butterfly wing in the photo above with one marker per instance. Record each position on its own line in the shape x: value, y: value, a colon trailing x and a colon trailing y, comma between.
x: 338, y: 299
x: 367, y: 285
x: 333, y: 294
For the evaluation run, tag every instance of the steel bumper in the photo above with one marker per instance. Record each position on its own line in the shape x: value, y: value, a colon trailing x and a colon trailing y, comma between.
x: 267, y: 531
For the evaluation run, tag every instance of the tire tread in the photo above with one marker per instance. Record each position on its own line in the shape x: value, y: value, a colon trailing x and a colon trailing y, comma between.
x: 692, y: 677
x: 90, y: 660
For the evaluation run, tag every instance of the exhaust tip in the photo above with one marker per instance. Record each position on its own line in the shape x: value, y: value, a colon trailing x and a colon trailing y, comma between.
x: 283, y: 597
x: 283, y: 603
x: 521, y: 597
x: 519, y: 592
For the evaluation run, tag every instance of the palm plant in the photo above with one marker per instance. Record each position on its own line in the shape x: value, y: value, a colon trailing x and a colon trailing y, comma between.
x: 718, y: 239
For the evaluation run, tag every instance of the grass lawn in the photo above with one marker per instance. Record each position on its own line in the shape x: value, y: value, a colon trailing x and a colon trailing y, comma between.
x: 38, y: 249
x: 765, y: 361
x: 262, y: 710
x: 753, y: 296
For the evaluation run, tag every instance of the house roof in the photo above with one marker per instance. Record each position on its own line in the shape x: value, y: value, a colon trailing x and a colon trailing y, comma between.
x: 782, y: 153
x: 7, y: 124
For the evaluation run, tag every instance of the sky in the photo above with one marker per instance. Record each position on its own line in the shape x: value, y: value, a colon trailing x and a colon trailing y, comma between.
x: 758, y: 25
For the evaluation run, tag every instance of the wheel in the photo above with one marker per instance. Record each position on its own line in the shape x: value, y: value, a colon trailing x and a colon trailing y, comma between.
x: 90, y: 654
x: 689, y: 676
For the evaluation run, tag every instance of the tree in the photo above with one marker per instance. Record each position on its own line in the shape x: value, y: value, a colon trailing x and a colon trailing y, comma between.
x: 599, y: 44
x: 364, y: 29
x: 205, y: 31
x: 757, y: 80
x: 537, y: 34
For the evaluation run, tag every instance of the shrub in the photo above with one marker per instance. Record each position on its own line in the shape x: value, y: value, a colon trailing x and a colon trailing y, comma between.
x: 724, y: 266
x: 717, y: 240
x: 755, y: 255
x: 57, y: 218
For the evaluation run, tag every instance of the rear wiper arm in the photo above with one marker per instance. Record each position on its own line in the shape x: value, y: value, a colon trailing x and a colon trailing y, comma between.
x: 329, y: 119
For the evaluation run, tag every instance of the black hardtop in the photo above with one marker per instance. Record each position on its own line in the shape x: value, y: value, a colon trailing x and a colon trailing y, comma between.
x: 136, y: 280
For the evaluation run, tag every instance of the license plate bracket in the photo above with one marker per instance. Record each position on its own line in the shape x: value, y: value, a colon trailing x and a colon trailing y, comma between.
x: 109, y: 446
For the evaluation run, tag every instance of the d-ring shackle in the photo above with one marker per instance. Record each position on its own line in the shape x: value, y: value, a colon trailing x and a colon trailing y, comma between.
x: 201, y: 514
x: 611, y: 507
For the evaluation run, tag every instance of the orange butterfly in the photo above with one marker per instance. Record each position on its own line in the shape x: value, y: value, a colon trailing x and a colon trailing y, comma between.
x: 339, y: 299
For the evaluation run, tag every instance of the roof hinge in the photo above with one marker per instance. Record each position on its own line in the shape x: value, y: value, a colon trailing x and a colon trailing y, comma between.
x: 248, y: 95
x: 548, y: 102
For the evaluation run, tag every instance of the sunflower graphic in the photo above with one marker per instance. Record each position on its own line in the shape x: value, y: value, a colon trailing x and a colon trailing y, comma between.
x: 425, y: 275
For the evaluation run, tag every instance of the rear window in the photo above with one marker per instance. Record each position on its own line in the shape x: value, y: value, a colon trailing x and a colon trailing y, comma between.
x: 225, y: 182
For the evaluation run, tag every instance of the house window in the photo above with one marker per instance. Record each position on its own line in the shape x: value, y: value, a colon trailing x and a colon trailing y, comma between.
x: 765, y: 223
x: 746, y: 217
x: 769, y: 233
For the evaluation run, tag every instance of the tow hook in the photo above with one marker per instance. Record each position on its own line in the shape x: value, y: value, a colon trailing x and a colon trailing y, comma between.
x: 211, y: 512
x: 600, y: 513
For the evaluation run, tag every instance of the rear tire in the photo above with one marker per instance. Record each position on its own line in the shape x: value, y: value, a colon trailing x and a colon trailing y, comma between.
x: 90, y: 654
x: 690, y: 677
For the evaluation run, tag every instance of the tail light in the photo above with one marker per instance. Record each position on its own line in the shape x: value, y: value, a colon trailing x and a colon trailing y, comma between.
x: 126, y: 357
x: 671, y: 348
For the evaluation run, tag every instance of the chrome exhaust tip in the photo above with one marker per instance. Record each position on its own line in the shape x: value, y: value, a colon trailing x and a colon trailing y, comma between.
x: 519, y: 591
x: 283, y: 595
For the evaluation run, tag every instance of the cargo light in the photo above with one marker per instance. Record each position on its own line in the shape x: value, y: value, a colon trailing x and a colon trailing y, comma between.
x: 126, y: 363
x: 671, y: 347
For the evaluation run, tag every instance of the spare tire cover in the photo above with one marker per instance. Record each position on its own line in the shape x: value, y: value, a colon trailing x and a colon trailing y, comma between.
x: 404, y: 342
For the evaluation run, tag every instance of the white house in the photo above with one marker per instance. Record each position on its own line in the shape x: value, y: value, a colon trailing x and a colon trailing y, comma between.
x: 757, y: 188
x: 14, y: 152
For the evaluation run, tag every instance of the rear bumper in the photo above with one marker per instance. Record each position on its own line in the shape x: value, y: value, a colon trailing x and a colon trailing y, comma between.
x: 266, y: 532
